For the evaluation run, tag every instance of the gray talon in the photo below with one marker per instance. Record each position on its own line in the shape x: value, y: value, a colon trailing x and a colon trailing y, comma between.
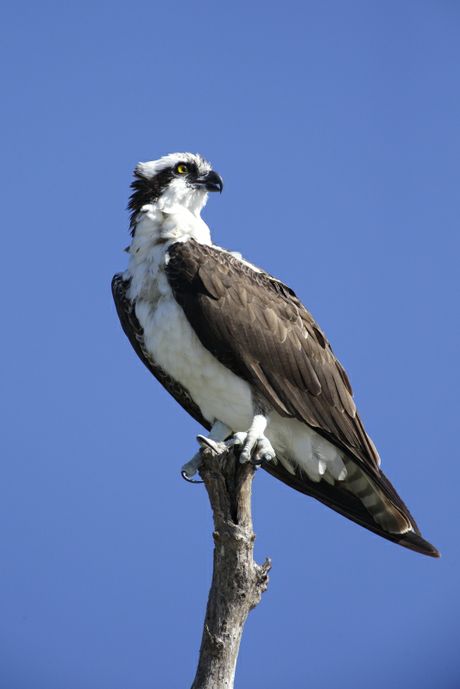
x: 189, y: 480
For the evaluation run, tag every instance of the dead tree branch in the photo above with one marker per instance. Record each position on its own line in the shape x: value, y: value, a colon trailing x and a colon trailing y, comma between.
x: 237, y: 581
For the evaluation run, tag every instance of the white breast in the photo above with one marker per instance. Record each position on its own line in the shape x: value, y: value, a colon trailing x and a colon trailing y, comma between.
x: 174, y: 345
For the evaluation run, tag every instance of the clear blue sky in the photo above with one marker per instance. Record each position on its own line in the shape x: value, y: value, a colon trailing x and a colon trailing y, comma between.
x: 336, y: 128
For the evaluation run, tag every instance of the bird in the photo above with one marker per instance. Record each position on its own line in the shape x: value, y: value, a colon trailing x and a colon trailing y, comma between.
x: 242, y: 355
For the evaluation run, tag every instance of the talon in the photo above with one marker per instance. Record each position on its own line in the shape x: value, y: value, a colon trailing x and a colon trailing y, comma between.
x: 190, y: 468
x: 188, y: 479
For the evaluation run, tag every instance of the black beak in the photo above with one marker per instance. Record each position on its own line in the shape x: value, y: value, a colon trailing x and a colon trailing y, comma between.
x: 211, y: 181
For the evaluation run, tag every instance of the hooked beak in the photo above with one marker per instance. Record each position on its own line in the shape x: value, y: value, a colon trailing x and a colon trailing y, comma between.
x: 211, y: 181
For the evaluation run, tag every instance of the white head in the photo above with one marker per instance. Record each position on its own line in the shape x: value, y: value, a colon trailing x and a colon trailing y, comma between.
x: 176, y: 180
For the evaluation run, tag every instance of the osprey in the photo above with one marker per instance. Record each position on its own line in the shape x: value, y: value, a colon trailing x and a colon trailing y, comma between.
x: 239, y: 351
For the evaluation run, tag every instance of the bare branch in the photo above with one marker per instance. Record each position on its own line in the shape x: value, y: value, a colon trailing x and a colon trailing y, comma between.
x: 237, y: 581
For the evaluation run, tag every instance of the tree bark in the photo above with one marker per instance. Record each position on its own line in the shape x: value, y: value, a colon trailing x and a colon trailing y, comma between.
x: 237, y: 581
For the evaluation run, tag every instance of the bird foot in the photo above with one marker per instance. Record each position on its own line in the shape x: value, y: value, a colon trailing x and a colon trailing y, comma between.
x: 255, y: 449
x: 191, y: 467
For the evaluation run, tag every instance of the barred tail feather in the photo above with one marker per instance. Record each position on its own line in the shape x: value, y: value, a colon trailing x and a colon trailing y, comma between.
x: 371, y: 502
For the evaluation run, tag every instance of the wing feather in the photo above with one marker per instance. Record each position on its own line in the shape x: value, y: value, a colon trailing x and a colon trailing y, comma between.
x: 255, y: 325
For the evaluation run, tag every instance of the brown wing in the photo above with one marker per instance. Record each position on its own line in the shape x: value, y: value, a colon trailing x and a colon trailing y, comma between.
x: 135, y: 334
x: 256, y: 326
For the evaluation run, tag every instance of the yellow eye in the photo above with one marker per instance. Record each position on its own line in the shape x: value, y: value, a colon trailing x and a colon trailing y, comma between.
x: 182, y: 169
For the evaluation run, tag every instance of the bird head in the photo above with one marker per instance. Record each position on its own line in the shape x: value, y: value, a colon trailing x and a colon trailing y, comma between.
x: 178, y: 179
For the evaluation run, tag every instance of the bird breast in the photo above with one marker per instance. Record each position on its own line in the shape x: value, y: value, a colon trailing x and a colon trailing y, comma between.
x: 173, y: 344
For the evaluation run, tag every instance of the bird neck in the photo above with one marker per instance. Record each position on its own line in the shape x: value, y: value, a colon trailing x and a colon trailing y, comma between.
x: 167, y: 223
x: 155, y: 231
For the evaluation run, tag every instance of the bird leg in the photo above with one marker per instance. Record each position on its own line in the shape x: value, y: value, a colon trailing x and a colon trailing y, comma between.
x: 256, y: 447
x: 217, y: 434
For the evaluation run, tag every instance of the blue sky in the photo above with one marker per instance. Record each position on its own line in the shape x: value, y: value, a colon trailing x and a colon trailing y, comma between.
x: 336, y: 128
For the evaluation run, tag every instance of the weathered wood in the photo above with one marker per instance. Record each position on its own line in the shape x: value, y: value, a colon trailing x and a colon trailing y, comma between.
x: 237, y: 581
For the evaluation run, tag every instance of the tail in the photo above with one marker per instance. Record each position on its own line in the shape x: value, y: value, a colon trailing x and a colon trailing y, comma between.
x: 367, y: 499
